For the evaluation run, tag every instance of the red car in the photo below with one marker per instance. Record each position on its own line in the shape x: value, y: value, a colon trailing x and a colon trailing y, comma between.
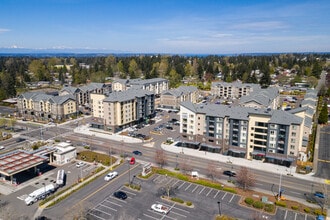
x: 132, y: 161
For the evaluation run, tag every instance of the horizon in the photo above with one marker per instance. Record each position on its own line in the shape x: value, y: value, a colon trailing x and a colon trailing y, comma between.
x: 164, y: 27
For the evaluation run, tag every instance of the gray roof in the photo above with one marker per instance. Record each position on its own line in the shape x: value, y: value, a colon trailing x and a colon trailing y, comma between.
x: 308, y: 122
x: 262, y: 96
x: 237, y: 84
x: 306, y: 109
x: 182, y: 90
x: 92, y: 86
x: 127, y: 95
x: 62, y: 99
x: 308, y: 102
x: 147, y: 81
x: 41, y: 96
x: 70, y: 89
x: 243, y: 113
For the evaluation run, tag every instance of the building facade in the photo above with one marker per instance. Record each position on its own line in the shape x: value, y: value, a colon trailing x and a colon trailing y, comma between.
x: 171, y: 99
x: 235, y: 90
x: 273, y: 135
x: 40, y: 106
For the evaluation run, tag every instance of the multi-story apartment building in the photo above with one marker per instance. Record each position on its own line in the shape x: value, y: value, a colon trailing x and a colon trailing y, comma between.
x: 261, y: 98
x: 172, y: 98
x: 40, y: 106
x: 82, y: 94
x: 273, y: 135
x: 123, y: 109
x: 156, y: 85
x: 232, y: 90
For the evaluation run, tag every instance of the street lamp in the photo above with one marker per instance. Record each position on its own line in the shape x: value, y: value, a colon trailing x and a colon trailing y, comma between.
x: 219, y: 206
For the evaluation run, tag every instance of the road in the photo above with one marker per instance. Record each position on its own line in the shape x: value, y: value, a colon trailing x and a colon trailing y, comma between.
x: 323, y: 164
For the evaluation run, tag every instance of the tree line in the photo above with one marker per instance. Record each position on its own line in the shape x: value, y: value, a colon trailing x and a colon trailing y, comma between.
x: 16, y: 72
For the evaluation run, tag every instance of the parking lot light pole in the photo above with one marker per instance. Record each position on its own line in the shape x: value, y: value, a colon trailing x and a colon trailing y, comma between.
x: 219, y: 206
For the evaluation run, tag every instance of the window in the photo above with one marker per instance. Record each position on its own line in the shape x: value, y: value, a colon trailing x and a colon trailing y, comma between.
x: 292, y: 147
x: 294, y: 127
x: 293, y: 140
x: 272, y: 132
x: 293, y: 134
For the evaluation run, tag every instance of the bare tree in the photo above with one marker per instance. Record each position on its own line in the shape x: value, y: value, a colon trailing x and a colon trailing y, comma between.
x: 185, y: 166
x: 160, y: 157
x: 212, y: 171
x: 245, y: 178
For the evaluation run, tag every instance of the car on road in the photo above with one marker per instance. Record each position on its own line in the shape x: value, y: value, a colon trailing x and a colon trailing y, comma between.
x: 2, y: 147
x: 80, y: 164
x: 319, y: 194
x: 229, y: 173
x: 110, y: 176
x: 132, y: 161
x: 120, y: 195
x: 136, y: 152
x: 160, y: 208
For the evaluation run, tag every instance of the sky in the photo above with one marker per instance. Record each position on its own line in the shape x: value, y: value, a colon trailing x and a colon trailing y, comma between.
x: 166, y: 26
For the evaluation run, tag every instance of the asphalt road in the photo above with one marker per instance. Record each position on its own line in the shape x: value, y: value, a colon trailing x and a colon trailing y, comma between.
x: 323, y: 169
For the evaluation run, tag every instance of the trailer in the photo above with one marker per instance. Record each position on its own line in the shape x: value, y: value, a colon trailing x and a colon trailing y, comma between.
x: 40, y: 194
x: 60, y: 178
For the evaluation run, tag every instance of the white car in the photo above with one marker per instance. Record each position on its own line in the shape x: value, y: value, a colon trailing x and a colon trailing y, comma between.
x: 160, y: 208
x: 110, y: 176
x: 80, y: 164
x: 2, y: 147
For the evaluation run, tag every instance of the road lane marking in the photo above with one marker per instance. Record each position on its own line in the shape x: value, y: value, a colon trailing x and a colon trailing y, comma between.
x: 208, y: 192
x: 216, y: 194
x: 201, y: 190
x: 195, y: 188
x: 188, y: 187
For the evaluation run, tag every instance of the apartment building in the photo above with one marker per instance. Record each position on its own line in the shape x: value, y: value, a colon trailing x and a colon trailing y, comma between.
x: 41, y: 106
x: 82, y: 94
x: 273, y: 135
x: 123, y: 109
x: 232, y: 90
x: 171, y: 99
x: 155, y: 85
x: 261, y: 98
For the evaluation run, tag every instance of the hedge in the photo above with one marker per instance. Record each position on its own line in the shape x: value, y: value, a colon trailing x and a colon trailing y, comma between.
x: 258, y: 205
x: 249, y: 201
x: 280, y: 203
x: 269, y: 207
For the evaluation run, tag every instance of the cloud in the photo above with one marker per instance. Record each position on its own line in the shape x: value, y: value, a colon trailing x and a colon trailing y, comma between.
x: 3, y: 30
x: 260, y: 26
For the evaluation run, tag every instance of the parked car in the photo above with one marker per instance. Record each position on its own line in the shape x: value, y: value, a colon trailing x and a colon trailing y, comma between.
x: 2, y: 147
x: 120, y: 195
x: 80, y: 164
x: 136, y: 152
x: 229, y: 173
x: 319, y: 194
x: 160, y: 208
x: 132, y: 161
x: 110, y: 176
x: 169, y: 127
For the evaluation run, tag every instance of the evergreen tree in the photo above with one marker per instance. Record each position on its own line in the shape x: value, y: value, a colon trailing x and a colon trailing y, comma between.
x: 323, y: 117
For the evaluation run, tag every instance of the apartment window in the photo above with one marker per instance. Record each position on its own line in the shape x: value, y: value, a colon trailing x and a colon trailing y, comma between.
x: 199, y: 118
x: 272, y: 132
x: 294, y: 127
x: 293, y: 134
x: 293, y: 140
x: 292, y: 147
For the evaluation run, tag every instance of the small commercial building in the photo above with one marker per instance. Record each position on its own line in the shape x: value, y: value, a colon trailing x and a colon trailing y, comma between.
x: 64, y: 153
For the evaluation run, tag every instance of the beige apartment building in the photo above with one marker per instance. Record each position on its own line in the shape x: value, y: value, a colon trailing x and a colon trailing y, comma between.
x: 120, y: 110
x: 171, y: 99
x: 41, y: 106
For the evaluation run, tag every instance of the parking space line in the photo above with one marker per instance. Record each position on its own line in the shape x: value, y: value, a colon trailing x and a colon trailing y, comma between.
x: 149, y: 216
x: 232, y: 198
x: 173, y: 206
x: 96, y: 216
x: 163, y: 215
x: 176, y: 182
x: 106, y: 207
x: 305, y: 216
x: 216, y: 194
x: 202, y: 190
x: 114, y: 203
x: 208, y: 192
x: 178, y: 214
x: 223, y: 196
x: 128, y: 192
x: 195, y: 188
x: 188, y: 187
x: 181, y: 185
x: 286, y: 213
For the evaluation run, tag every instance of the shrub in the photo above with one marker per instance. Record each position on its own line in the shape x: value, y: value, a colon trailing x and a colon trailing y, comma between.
x: 188, y: 203
x: 307, y: 210
x: 280, y: 203
x: 258, y: 205
x: 249, y: 201
x: 294, y: 207
x: 177, y: 200
x: 318, y: 212
x: 269, y: 207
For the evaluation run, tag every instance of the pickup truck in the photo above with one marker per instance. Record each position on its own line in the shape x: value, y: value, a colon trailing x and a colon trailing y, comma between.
x: 160, y: 208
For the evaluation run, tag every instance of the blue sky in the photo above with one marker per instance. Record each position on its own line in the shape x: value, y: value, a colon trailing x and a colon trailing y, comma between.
x: 167, y: 26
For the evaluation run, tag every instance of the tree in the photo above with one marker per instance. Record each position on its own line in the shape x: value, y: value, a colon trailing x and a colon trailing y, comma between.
x: 245, y: 178
x: 323, y: 117
x: 212, y: 171
x: 160, y: 157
